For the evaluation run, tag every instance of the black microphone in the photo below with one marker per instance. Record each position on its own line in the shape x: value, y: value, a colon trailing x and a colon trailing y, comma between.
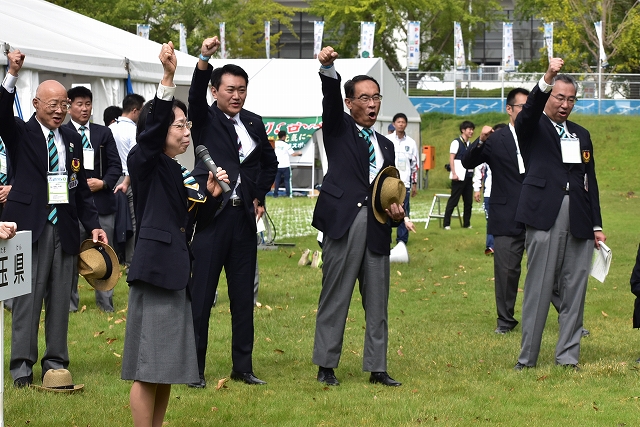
x: 203, y: 154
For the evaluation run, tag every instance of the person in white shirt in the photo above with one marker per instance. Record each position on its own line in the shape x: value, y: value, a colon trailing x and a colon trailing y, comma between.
x: 460, y: 185
x: 407, y: 163
x: 283, y: 151
x: 124, y: 133
x: 482, y: 179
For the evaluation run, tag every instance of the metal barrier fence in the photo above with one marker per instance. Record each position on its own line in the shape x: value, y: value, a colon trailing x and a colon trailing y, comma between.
x: 485, y: 89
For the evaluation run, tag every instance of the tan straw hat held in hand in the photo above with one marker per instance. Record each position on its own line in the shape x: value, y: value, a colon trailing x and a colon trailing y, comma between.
x: 388, y: 189
x: 98, y: 264
x: 58, y: 381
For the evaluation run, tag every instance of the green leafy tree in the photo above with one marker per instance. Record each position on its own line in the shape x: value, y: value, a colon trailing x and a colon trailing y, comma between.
x: 575, y: 38
x: 244, y: 20
x: 342, y: 25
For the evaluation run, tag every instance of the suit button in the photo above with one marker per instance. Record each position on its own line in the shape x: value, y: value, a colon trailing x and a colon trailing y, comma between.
x: 182, y: 229
x: 359, y: 204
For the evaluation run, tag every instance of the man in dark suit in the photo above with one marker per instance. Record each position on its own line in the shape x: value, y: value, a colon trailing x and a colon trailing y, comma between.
x: 237, y: 142
x: 103, y: 168
x: 49, y: 195
x: 560, y: 207
x: 355, y: 245
x: 501, y: 152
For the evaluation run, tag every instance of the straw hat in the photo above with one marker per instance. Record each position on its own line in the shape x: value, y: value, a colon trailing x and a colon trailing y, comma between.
x: 388, y: 189
x: 98, y: 264
x: 58, y: 381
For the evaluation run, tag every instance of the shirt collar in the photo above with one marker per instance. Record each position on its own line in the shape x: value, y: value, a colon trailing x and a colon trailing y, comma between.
x: 124, y: 119
x: 77, y: 125
x: 46, y: 130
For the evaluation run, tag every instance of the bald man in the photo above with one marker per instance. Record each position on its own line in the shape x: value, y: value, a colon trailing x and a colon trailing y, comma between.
x: 49, y: 195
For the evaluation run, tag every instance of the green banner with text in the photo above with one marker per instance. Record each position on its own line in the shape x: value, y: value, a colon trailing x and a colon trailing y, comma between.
x: 299, y: 130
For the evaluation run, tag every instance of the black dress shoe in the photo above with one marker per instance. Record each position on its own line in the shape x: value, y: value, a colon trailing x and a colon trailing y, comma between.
x: 501, y: 330
x: 519, y: 367
x: 585, y: 332
x: 200, y: 384
x: 383, y: 378
x: 23, y: 381
x: 327, y: 376
x: 247, y: 378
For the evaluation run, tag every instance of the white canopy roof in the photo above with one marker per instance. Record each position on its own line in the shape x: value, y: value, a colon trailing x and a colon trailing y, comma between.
x: 291, y: 87
x: 58, y: 40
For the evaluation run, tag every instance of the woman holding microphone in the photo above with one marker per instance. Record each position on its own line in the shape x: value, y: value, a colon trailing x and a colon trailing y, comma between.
x: 159, y: 345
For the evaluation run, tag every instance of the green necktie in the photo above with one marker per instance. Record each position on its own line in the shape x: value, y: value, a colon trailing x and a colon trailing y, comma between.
x: 53, y: 167
x: 366, y: 134
x: 85, y: 140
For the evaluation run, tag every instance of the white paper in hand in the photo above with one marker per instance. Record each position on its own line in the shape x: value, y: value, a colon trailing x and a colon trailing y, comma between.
x: 601, y: 262
x: 260, y: 225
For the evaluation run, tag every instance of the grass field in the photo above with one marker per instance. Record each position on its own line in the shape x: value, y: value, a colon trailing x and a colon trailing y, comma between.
x: 455, y: 370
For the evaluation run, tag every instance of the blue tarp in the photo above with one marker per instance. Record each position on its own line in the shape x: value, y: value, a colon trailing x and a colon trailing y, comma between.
x: 466, y: 106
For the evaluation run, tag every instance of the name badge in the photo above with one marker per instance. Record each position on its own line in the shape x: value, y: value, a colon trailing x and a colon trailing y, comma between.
x: 570, y: 150
x: 88, y: 156
x: 3, y: 163
x: 57, y: 188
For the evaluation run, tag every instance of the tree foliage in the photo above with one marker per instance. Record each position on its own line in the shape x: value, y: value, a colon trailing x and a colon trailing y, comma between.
x: 575, y: 38
x: 244, y: 20
x: 342, y: 26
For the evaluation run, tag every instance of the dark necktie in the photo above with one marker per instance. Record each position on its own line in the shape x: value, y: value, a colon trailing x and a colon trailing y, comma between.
x: 85, y: 141
x: 366, y: 134
x: 3, y: 176
x: 238, y: 140
x: 53, y: 167
x: 561, y: 131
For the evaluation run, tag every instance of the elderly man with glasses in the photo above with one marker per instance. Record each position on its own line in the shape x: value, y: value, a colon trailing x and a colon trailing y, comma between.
x: 49, y: 196
x: 560, y: 206
x: 355, y: 244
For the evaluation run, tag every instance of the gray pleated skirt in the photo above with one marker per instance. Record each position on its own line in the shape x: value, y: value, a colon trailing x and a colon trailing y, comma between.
x: 159, y: 344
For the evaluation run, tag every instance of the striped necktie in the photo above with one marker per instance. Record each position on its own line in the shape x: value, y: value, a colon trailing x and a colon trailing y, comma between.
x: 561, y: 130
x: 85, y: 141
x: 193, y: 188
x: 53, y: 167
x: 3, y: 176
x: 366, y: 134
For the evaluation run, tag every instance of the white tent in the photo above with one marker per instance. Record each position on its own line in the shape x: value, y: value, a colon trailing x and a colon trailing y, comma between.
x: 75, y: 49
x: 290, y: 88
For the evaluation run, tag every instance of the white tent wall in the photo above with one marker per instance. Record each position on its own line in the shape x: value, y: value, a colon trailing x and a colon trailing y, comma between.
x: 75, y: 49
x: 291, y: 88
x: 59, y: 40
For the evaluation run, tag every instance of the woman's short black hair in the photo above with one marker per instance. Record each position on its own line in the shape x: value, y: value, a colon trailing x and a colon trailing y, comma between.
x: 146, y: 110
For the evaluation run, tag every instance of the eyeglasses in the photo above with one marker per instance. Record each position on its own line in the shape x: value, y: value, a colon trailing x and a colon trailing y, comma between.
x: 52, y: 106
x: 517, y: 105
x: 366, y: 98
x: 561, y: 98
x: 182, y: 126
